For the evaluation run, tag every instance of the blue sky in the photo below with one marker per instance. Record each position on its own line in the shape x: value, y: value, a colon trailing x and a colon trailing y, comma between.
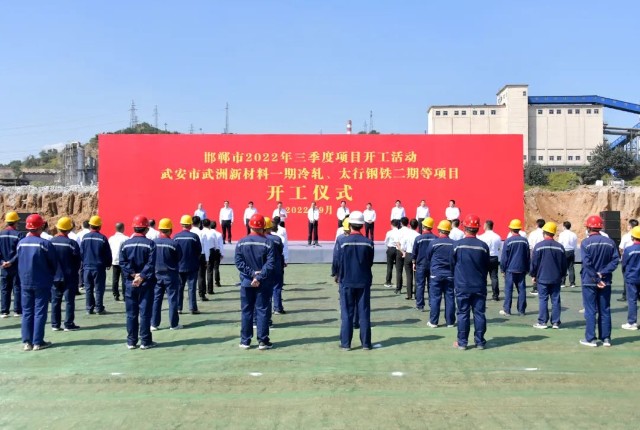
x: 70, y: 69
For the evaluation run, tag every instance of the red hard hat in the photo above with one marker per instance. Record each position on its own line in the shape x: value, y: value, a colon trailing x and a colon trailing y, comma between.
x: 140, y: 221
x: 595, y: 222
x: 256, y: 221
x: 472, y: 221
x: 34, y: 222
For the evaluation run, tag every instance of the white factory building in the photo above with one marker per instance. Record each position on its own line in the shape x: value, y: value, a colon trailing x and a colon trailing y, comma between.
x: 554, y: 135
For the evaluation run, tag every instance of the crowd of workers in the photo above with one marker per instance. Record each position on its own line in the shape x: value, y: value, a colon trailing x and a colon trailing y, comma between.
x: 443, y: 262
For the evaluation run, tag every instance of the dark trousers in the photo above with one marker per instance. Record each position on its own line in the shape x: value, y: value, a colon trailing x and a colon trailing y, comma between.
x: 354, y: 300
x: 94, y: 286
x: 546, y: 292
x: 467, y: 303
x: 597, y: 311
x: 190, y: 279
x: 439, y: 287
x: 116, y: 276
x: 391, y: 261
x: 138, y: 304
x: 422, y: 276
x: 494, y: 266
x: 258, y: 301
x: 10, y: 283
x: 571, y: 261
x: 519, y: 280
x: 171, y: 286
x: 313, y: 232
x: 632, y: 303
x: 202, y: 276
x: 408, y: 271
x: 246, y: 224
x: 226, y: 231
x: 368, y: 229
x: 213, y: 269
x: 58, y: 291
x: 35, y: 307
x: 277, y: 293
x: 399, y: 269
x: 420, y: 226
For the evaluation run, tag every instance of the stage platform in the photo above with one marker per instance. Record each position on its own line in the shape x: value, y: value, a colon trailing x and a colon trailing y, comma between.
x: 300, y: 253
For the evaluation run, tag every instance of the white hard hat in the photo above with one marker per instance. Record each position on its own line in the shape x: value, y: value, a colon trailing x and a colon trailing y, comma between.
x: 356, y: 218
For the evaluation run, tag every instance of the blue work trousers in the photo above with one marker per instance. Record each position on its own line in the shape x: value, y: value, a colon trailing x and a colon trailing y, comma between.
x: 519, y: 280
x: 94, y: 286
x: 35, y: 307
x: 171, y: 286
x: 439, y: 287
x: 277, y: 295
x: 68, y: 291
x: 421, y: 282
x: 10, y: 283
x: 632, y: 303
x: 191, y: 280
x: 597, y: 310
x: 354, y: 300
x: 546, y: 292
x: 468, y: 302
x: 138, y: 304
x: 258, y: 301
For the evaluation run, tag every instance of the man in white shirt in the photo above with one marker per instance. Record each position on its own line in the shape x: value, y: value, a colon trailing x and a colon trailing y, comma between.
x: 45, y: 235
x: 569, y: 240
x: 534, y: 237
x: 213, y: 265
x: 342, y: 212
x: 369, y: 221
x: 152, y: 234
x: 494, y: 242
x: 81, y: 233
x: 248, y: 213
x: 115, y: 243
x: 397, y: 212
x: 456, y: 234
x: 200, y: 212
x: 209, y: 242
x: 452, y: 212
x: 390, y: 242
x: 282, y: 233
x: 403, y: 231
x: 421, y: 213
x: 406, y: 247
x: 196, y: 228
x: 281, y: 213
x: 226, y: 220
x: 313, y: 215
x: 625, y: 242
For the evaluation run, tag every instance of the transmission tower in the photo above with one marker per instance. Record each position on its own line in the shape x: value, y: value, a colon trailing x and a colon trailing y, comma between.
x: 226, y: 119
x: 133, y: 119
x: 155, y: 116
x: 371, y: 121
x: 191, y: 129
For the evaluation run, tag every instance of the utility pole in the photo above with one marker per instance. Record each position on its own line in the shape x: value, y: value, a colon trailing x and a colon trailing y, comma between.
x: 191, y: 129
x: 371, y: 121
x: 165, y: 126
x: 155, y: 116
x: 226, y: 119
x: 133, y: 118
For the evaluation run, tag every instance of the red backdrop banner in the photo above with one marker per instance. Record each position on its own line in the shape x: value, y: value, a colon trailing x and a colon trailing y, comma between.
x: 168, y: 175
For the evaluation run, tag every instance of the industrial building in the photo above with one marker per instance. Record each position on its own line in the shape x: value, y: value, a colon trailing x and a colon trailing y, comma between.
x: 558, y: 131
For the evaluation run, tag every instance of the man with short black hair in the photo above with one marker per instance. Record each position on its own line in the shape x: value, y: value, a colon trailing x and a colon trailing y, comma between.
x: 456, y: 233
x: 569, y: 240
x: 226, y: 221
x: 115, y: 243
x: 403, y: 231
x: 494, y: 242
x: 248, y: 213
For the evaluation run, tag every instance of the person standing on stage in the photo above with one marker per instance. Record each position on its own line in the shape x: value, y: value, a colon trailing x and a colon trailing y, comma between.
x: 452, y: 212
x: 494, y: 242
x: 226, y: 221
x: 200, y: 212
x: 422, y: 212
x: 281, y: 213
x: 398, y: 212
x: 342, y: 212
x: 369, y: 221
x: 313, y: 215
x: 248, y: 213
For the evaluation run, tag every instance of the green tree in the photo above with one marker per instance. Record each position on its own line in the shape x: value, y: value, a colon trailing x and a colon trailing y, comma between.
x: 604, y: 158
x: 535, y: 175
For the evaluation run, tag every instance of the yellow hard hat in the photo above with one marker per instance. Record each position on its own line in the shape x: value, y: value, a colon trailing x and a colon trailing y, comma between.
x: 267, y: 222
x: 635, y: 232
x: 65, y: 224
x: 165, y: 224
x: 186, y: 220
x: 428, y: 222
x: 515, y: 224
x: 95, y: 221
x: 550, y: 228
x: 444, y: 225
x: 11, y: 217
x: 345, y: 224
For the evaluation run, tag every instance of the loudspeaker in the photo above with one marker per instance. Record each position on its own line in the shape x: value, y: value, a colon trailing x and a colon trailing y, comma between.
x: 612, y: 225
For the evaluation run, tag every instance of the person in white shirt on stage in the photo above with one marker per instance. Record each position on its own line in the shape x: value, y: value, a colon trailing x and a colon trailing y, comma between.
x: 398, y: 212
x: 248, y: 213
x: 281, y: 213
x: 569, y: 240
x: 369, y: 221
x: 200, y: 212
x: 313, y: 215
x: 342, y: 213
x: 226, y: 221
x: 152, y: 234
x: 456, y: 234
x: 452, y: 212
x: 625, y: 242
x: 494, y: 242
x: 422, y: 212
x: 390, y: 243
x: 534, y: 237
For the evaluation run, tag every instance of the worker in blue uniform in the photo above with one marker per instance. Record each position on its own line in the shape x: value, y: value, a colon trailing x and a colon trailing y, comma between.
x: 515, y: 263
x: 599, y: 260
x: 255, y: 260
x: 548, y: 266
x: 438, y: 260
x: 470, y: 262
x: 191, y: 249
x: 65, y: 283
x: 168, y: 255
x: 354, y: 260
x: 9, y: 279
x: 631, y: 271
x: 37, y: 265
x: 96, y: 258
x: 138, y: 260
x: 420, y: 264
